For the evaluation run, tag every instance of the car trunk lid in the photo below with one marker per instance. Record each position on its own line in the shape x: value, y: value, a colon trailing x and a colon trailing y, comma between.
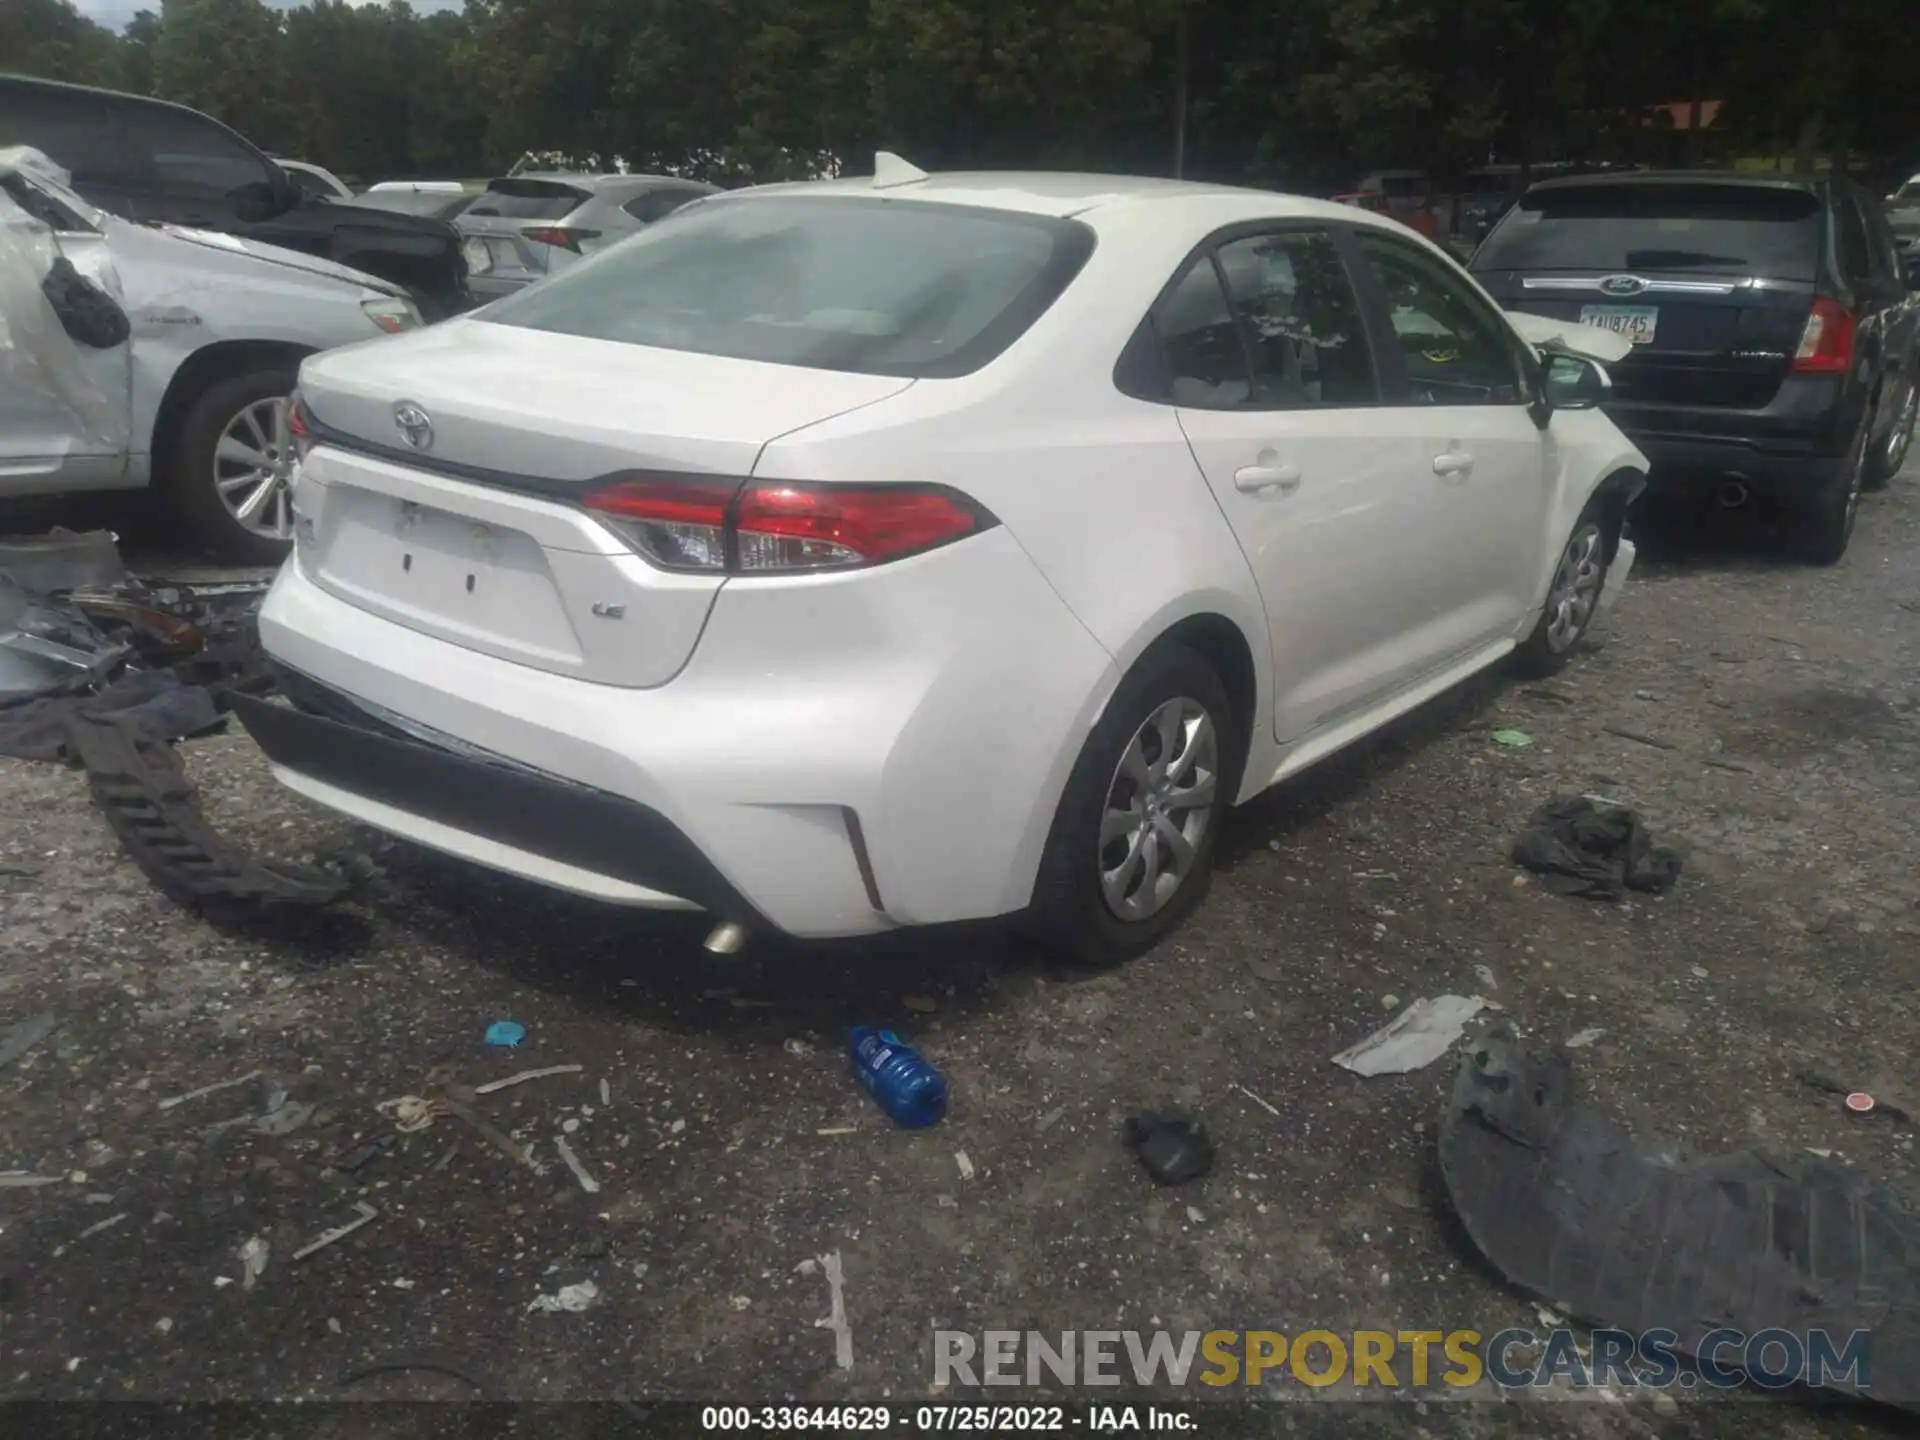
x: 443, y: 483
x: 1713, y: 283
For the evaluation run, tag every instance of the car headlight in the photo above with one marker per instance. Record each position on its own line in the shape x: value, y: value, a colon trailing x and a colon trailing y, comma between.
x: 391, y: 313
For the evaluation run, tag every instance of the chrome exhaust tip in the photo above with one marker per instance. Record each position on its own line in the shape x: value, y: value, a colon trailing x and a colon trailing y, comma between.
x: 726, y: 938
x: 1732, y: 495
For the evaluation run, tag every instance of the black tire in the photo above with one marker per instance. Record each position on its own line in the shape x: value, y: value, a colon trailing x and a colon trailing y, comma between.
x: 1887, y: 458
x: 1823, y: 526
x: 1573, y: 595
x: 1070, y: 913
x: 189, y: 485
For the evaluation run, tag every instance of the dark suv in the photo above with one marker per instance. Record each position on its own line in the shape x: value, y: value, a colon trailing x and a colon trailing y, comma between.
x: 1774, y: 332
x: 151, y: 161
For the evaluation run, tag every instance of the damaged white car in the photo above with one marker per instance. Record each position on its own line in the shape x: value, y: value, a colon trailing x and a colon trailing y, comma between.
x: 132, y: 356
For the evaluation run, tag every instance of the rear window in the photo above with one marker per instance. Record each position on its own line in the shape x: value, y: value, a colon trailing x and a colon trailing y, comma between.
x: 527, y: 200
x: 1775, y: 233
x: 876, y: 287
x: 430, y: 203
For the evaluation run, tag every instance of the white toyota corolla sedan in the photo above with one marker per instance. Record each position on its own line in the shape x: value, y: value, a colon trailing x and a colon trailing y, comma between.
x: 861, y: 554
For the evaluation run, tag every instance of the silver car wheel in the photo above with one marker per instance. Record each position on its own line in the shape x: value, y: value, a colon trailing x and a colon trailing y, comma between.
x: 250, y: 470
x: 1576, y: 588
x: 1159, y: 805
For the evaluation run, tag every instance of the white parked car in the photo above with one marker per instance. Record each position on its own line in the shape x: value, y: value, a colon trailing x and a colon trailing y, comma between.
x: 190, y: 401
x: 863, y: 554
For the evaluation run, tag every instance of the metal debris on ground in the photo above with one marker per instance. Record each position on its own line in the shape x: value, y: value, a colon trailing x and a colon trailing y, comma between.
x: 24, y: 1180
x: 568, y: 1299
x: 1173, y: 1148
x: 1578, y: 849
x: 213, y: 1089
x: 367, y: 1215
x: 22, y: 1037
x: 1413, y: 1039
x: 506, y: 1033
x: 965, y: 1164
x: 838, y: 1130
x: 518, y: 1153
x: 836, y: 1318
x: 1574, y: 1212
x: 100, y: 1225
x: 525, y: 1075
x: 253, y: 1261
x: 587, y: 1182
x: 1651, y: 741
x: 409, y: 1113
x: 1581, y: 1039
x: 1258, y: 1101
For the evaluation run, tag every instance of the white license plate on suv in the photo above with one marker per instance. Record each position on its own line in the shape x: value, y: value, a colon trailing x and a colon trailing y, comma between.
x: 1636, y: 322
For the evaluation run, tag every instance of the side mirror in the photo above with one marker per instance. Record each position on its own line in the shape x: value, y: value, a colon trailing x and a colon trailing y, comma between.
x: 1570, y: 382
x: 255, y: 201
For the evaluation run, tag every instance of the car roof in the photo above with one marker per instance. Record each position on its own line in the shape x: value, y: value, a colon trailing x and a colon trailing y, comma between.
x: 1060, y: 195
x: 598, y: 180
x: 36, y: 82
x: 1744, y: 178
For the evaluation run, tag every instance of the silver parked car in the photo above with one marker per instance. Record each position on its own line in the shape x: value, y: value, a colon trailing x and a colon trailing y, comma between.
x: 525, y: 227
x: 183, y: 385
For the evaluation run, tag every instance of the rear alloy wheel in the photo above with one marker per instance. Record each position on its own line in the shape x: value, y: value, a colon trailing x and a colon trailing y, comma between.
x: 1891, y: 453
x: 1573, y: 598
x: 1826, y: 524
x: 1131, y: 849
x: 231, y: 480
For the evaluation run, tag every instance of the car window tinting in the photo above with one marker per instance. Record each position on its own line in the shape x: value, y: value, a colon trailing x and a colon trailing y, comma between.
x: 83, y: 139
x: 655, y: 205
x: 1206, y: 361
x: 1856, y: 261
x: 527, y: 200
x: 1454, y: 349
x: 1747, y: 229
x: 194, y: 158
x: 875, y: 287
x: 1301, y: 321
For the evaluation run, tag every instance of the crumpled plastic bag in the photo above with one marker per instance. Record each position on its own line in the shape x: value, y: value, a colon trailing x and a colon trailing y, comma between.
x: 1579, y: 849
x: 87, y: 313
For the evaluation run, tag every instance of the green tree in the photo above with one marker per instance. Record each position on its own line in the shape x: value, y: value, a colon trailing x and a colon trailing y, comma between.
x: 227, y: 58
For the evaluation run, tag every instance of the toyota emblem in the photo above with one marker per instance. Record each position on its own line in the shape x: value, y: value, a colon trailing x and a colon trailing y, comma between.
x: 1623, y: 284
x: 415, y: 427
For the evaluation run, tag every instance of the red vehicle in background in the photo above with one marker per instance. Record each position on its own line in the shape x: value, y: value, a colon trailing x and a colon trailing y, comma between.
x: 1422, y: 220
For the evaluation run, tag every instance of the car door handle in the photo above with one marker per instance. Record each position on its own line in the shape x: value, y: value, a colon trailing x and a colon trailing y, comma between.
x: 1454, y: 462
x: 1253, y: 479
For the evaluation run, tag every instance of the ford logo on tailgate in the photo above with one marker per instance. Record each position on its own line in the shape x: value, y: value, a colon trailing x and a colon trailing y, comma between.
x: 1623, y: 285
x: 415, y: 426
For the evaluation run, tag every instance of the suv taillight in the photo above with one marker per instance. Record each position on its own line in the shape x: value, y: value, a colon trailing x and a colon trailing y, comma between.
x: 299, y: 426
x: 1826, y: 345
x: 566, y: 237
x: 770, y: 527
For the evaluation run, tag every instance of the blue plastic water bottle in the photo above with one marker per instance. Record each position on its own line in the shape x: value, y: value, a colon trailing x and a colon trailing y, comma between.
x: 907, y: 1087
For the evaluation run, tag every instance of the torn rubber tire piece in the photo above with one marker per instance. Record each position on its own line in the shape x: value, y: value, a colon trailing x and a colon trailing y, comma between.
x: 142, y: 789
x: 1569, y: 1208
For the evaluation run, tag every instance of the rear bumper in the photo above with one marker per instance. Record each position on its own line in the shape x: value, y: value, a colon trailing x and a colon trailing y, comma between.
x: 841, y: 755
x: 1794, y: 445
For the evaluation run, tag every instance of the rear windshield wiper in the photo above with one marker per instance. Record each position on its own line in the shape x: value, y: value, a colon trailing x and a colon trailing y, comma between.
x: 1680, y: 260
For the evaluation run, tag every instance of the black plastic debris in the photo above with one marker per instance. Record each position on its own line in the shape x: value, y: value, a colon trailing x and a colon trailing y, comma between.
x: 1173, y: 1148
x: 1572, y: 1210
x: 87, y: 313
x: 152, y: 704
x: 1577, y: 848
x: 151, y: 805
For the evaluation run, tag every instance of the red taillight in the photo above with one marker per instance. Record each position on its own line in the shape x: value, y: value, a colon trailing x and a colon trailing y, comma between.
x: 561, y: 235
x: 1826, y: 345
x: 299, y: 426
x: 769, y: 528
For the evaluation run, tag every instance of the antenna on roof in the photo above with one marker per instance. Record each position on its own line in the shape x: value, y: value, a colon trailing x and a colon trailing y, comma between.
x: 890, y: 170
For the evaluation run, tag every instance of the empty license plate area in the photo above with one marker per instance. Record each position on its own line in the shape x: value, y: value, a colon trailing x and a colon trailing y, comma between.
x: 1636, y: 322
x: 481, y: 584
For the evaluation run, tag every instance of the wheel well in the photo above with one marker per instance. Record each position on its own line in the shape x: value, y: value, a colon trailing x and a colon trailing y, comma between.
x: 1615, y: 494
x: 209, y: 366
x: 1219, y: 642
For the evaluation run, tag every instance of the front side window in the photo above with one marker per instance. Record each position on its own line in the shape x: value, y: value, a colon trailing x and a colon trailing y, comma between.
x: 193, y: 158
x: 876, y: 287
x: 1300, y: 320
x: 80, y: 133
x: 1453, y: 347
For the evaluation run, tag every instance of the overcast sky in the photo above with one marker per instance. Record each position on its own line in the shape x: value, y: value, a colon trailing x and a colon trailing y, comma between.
x: 115, y: 14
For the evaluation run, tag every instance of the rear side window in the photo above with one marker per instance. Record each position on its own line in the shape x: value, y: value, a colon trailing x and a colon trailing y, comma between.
x: 527, y: 200
x: 1752, y: 229
x: 658, y: 204
x: 80, y: 133
x: 875, y: 287
x: 193, y: 157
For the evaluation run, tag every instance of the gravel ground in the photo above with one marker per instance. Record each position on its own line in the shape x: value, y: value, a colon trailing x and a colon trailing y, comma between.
x: 714, y: 1107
